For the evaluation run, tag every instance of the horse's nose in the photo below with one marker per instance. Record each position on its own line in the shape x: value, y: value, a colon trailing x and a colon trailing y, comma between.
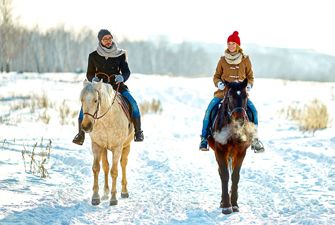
x: 87, y: 127
x: 238, y: 116
x: 240, y: 121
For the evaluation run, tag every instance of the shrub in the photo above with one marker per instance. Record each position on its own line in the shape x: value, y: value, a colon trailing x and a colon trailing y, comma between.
x: 154, y: 106
x: 310, y: 117
x: 36, y: 160
x: 314, y: 117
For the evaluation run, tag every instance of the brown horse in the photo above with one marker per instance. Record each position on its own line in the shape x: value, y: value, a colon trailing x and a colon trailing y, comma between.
x: 109, y: 129
x: 232, y: 135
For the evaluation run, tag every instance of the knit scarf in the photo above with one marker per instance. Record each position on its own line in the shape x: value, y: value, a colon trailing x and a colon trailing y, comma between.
x: 233, y: 58
x: 112, y: 52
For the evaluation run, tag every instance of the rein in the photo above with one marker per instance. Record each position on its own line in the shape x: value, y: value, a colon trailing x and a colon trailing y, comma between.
x: 106, y: 75
x: 95, y: 114
x: 230, y: 112
x: 109, y: 81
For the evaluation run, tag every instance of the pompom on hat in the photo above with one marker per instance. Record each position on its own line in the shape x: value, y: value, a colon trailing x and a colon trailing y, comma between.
x: 102, y: 33
x: 234, y: 38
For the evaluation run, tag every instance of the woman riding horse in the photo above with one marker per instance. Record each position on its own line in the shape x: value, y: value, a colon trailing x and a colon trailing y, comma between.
x: 233, y: 66
x: 108, y: 59
x: 232, y: 136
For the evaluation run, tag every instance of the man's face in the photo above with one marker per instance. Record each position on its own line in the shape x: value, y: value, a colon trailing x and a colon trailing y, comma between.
x: 107, y: 40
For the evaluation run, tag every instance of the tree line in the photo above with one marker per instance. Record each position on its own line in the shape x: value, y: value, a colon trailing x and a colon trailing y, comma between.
x: 59, y: 50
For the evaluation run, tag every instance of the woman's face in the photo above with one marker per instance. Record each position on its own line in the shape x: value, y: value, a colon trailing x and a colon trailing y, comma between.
x: 107, y: 40
x: 232, y: 46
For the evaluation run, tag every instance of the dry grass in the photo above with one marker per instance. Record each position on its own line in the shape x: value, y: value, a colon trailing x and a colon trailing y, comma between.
x: 310, y: 117
x: 44, y: 117
x: 154, y: 106
x: 35, y: 161
x: 40, y: 107
x: 65, y: 114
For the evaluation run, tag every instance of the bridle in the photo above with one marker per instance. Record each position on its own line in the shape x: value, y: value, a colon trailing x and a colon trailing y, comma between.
x: 243, y: 108
x: 95, y: 114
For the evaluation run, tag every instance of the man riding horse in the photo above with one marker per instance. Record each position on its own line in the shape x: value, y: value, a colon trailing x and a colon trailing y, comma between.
x: 111, y: 62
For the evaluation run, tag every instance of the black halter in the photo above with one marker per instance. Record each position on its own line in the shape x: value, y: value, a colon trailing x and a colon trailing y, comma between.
x: 95, y: 114
x: 243, y: 108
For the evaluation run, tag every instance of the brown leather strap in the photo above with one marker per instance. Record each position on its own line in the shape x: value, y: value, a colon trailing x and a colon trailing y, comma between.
x: 124, y: 105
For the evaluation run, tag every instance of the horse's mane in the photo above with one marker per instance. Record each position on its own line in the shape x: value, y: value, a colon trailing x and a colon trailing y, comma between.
x: 105, y: 91
x: 225, y: 128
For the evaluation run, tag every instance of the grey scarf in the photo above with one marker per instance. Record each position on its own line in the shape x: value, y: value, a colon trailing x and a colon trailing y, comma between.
x: 112, y: 52
x: 234, y: 59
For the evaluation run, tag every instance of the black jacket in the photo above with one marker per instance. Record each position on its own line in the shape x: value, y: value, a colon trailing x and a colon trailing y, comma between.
x: 109, y: 66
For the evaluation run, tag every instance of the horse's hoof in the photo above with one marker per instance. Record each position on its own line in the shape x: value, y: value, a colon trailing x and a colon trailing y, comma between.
x: 227, y: 210
x: 124, y: 195
x: 113, y: 202
x: 236, y: 208
x: 95, y: 201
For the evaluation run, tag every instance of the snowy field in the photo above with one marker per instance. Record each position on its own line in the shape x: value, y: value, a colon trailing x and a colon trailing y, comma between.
x: 169, y: 180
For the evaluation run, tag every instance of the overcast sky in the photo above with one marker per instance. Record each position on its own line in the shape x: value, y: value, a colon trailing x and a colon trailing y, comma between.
x: 285, y: 23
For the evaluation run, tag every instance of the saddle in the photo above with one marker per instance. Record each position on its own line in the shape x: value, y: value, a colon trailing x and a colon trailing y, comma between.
x: 125, y: 105
x: 214, y: 115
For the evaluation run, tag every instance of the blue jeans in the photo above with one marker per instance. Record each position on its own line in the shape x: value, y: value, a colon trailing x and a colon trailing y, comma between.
x: 131, y: 100
x: 214, y: 103
x: 252, y: 108
x: 133, y: 104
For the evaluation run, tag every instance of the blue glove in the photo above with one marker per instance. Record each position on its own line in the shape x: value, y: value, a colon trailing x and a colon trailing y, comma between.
x: 95, y: 79
x: 220, y: 85
x: 119, y: 79
x: 249, y: 88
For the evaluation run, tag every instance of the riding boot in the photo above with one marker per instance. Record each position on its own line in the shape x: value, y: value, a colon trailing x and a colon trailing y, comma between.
x: 80, y: 137
x: 203, y: 144
x: 257, y: 146
x: 138, y: 132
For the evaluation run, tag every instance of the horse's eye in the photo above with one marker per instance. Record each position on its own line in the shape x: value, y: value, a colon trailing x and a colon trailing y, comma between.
x: 95, y: 101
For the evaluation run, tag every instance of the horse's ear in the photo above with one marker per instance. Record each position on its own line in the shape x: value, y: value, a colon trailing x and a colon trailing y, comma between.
x: 245, y: 83
x: 85, y: 82
x: 226, y: 83
x: 99, y: 84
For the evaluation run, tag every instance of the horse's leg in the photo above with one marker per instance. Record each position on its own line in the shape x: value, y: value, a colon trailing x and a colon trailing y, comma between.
x: 124, y: 161
x: 114, y: 173
x: 235, y: 177
x: 105, y: 166
x: 96, y: 150
x: 221, y: 159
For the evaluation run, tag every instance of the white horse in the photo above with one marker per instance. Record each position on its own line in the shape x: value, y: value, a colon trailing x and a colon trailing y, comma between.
x: 109, y: 129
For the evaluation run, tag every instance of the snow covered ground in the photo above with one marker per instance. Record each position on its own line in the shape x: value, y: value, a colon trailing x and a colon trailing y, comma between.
x: 169, y: 180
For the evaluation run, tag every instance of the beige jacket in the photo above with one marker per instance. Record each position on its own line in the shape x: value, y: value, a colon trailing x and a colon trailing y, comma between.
x: 229, y: 72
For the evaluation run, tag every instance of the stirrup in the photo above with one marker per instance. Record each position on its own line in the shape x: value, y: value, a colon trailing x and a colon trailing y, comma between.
x: 138, y: 136
x: 79, y: 138
x: 257, y: 146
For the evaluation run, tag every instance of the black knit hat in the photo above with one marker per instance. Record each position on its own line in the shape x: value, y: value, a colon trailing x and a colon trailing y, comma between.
x: 102, y: 33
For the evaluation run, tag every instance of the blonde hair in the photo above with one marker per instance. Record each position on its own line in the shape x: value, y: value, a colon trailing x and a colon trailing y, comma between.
x: 238, y: 49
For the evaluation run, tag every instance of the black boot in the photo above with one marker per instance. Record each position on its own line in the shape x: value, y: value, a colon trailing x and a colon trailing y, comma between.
x: 80, y: 137
x: 203, y: 144
x: 138, y: 132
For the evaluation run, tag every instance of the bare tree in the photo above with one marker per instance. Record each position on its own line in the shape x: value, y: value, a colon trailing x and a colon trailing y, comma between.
x: 6, y: 34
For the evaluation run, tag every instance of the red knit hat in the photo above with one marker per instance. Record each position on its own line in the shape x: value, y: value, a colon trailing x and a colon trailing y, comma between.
x: 234, y: 38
